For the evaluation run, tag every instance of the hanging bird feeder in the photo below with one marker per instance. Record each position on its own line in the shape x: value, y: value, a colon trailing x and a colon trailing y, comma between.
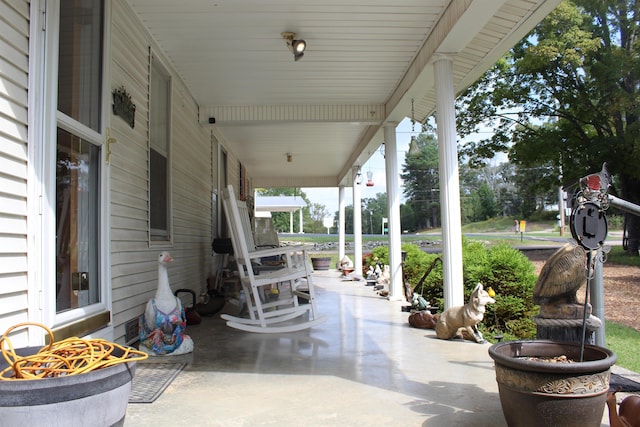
x: 369, y: 179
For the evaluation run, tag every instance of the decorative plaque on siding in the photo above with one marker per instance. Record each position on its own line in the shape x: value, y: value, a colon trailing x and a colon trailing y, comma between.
x: 123, y: 106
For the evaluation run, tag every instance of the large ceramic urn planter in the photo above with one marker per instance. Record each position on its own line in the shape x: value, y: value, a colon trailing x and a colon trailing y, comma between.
x: 538, y: 392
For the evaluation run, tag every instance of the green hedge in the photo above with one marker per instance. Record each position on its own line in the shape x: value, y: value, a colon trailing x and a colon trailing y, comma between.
x: 506, y: 270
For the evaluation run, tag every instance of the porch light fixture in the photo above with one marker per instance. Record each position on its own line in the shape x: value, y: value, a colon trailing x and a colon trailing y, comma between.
x: 289, y: 157
x: 297, y: 47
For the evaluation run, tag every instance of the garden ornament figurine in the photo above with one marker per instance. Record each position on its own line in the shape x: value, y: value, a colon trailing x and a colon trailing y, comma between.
x: 161, y: 326
x: 454, y: 321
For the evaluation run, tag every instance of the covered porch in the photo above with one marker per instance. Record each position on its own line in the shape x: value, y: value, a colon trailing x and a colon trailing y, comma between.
x: 169, y: 103
x: 314, y: 118
x: 365, y: 366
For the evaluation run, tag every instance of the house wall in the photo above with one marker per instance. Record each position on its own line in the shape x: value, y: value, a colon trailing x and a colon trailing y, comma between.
x: 194, y: 157
x: 134, y: 263
x: 14, y: 167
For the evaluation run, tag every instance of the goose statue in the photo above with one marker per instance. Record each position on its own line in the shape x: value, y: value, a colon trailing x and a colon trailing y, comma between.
x: 163, y: 322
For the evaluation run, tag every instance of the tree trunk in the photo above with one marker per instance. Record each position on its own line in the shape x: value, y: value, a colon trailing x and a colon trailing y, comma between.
x: 631, y: 236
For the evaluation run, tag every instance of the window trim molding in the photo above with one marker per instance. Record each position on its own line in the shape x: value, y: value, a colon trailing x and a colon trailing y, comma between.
x: 167, y: 241
x: 45, y: 119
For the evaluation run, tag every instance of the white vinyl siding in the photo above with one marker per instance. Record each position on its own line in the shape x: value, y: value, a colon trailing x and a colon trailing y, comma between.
x: 134, y: 266
x: 14, y: 76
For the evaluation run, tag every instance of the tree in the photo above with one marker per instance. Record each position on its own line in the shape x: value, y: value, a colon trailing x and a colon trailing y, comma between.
x: 565, y: 100
x: 421, y: 182
x: 373, y: 210
x: 407, y: 218
x: 489, y: 191
x: 317, y: 213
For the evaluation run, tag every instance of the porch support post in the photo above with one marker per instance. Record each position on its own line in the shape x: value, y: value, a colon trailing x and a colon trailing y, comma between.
x: 341, y: 222
x: 357, y: 221
x: 449, y: 182
x: 393, y: 206
x: 301, y: 230
x: 290, y: 222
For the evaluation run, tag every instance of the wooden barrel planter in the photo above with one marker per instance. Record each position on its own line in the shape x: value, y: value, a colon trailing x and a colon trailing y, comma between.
x: 321, y: 263
x: 97, y: 398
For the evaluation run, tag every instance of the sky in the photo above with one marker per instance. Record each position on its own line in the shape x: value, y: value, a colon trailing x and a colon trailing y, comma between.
x: 329, y: 196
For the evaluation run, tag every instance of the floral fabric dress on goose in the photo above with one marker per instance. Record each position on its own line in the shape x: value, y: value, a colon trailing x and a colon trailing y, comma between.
x: 168, y: 333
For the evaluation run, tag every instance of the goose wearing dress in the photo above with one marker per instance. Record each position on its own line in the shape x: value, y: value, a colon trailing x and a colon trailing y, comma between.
x: 163, y: 322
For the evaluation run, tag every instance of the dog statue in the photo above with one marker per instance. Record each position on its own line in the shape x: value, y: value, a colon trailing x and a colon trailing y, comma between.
x: 454, y: 321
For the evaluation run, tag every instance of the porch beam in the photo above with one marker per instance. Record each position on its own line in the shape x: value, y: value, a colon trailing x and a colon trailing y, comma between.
x: 243, y: 115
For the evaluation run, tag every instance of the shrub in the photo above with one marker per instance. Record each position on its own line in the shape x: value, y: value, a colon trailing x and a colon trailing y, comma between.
x: 506, y: 270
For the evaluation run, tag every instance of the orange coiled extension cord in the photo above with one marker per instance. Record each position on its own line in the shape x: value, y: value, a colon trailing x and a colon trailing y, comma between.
x: 70, y: 356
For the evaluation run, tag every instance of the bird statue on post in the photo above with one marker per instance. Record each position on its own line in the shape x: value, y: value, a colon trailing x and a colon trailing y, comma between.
x: 561, y: 276
x: 163, y: 322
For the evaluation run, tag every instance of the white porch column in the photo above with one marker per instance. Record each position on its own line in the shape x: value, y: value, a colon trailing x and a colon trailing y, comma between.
x: 449, y: 183
x: 301, y: 230
x: 341, y: 222
x: 357, y: 221
x: 290, y: 222
x: 393, y: 205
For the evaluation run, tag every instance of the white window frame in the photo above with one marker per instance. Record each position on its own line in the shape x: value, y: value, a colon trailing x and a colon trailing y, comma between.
x: 44, y: 116
x: 161, y: 237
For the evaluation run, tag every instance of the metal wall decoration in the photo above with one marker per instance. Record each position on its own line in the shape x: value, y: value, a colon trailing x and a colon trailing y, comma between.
x: 123, y: 106
x: 588, y: 225
x: 590, y: 201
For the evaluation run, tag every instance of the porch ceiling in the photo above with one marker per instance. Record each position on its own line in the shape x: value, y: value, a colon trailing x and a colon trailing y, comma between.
x: 365, y: 61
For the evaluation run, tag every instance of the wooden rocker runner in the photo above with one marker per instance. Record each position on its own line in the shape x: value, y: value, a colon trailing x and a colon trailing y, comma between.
x: 278, y: 299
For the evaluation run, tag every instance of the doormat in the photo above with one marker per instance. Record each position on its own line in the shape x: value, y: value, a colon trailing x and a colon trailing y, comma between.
x: 151, y: 379
x: 624, y: 384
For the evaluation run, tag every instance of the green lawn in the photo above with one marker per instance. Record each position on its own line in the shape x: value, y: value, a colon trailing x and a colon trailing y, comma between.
x: 624, y: 342
x: 621, y: 339
x: 619, y: 256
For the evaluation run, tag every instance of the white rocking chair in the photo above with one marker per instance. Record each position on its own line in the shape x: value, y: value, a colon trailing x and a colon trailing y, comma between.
x: 269, y: 311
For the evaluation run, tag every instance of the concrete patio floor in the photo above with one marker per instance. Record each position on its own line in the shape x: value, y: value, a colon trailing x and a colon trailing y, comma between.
x: 364, y: 367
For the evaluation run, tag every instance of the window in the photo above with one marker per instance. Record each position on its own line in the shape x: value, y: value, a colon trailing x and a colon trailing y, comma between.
x: 159, y: 149
x: 77, y: 157
x: 80, y: 61
x: 242, y: 184
x: 222, y: 184
x: 77, y: 213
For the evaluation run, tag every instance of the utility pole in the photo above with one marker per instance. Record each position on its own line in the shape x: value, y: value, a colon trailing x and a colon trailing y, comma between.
x: 561, y: 206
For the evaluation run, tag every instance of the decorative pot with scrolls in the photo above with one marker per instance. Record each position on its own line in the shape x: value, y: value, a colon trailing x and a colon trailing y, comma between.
x: 538, y: 390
